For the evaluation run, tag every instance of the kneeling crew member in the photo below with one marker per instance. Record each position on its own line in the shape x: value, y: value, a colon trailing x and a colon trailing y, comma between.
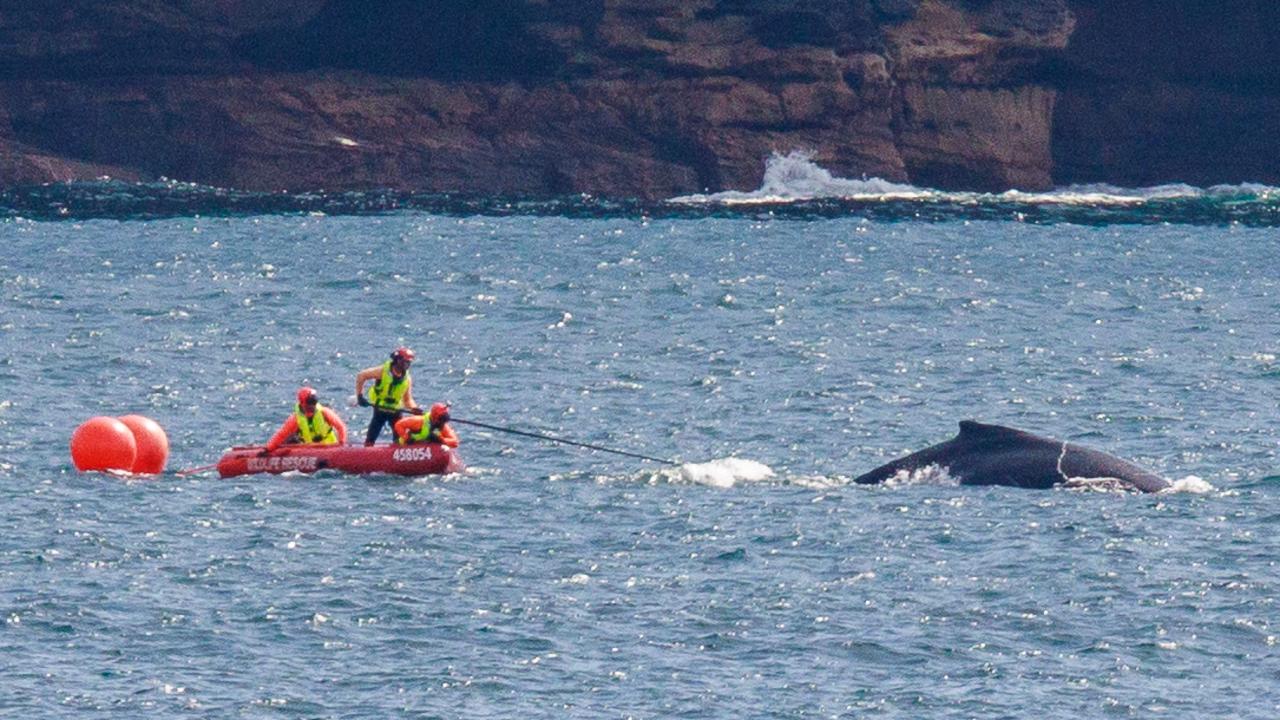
x: 390, y: 395
x: 310, y: 422
x: 434, y: 428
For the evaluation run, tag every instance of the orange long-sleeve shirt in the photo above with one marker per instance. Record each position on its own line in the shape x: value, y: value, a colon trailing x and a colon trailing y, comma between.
x: 290, y: 428
x: 413, y: 423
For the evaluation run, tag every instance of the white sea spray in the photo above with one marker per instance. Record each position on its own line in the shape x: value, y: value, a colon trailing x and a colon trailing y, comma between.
x: 795, y: 177
x: 1191, y: 484
x: 927, y: 475
x: 724, y: 472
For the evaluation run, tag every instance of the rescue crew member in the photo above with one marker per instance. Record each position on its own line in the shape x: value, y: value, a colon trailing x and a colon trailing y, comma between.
x: 434, y: 428
x: 310, y: 422
x: 390, y: 395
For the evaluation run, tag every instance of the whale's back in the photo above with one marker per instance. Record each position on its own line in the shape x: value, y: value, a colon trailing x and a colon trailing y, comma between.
x: 983, y: 454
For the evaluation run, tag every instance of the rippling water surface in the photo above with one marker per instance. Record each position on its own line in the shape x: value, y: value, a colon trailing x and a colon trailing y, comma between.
x: 552, y: 581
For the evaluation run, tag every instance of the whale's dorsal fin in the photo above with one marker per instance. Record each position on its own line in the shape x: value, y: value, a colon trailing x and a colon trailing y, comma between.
x: 974, y: 431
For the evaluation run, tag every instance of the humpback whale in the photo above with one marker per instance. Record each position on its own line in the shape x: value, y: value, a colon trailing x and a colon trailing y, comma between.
x: 994, y: 455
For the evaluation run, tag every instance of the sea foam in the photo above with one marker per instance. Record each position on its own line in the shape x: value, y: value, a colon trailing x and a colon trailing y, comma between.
x: 1190, y: 484
x: 724, y: 472
x: 795, y: 177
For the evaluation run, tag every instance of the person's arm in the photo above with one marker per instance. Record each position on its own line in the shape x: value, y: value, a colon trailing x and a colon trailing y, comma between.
x: 407, y: 425
x: 447, y: 435
x: 334, y: 421
x: 286, y: 430
x: 363, y: 377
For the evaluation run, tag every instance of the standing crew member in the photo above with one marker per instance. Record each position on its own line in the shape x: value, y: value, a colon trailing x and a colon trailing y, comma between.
x: 310, y: 422
x: 434, y: 428
x: 390, y: 395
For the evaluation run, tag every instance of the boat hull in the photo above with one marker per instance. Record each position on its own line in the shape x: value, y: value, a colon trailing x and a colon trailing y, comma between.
x: 409, y: 460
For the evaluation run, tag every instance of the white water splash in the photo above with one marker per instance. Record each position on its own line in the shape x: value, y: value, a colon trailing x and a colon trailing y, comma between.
x: 818, y: 482
x: 1190, y: 484
x: 927, y: 475
x: 794, y: 177
x: 724, y: 473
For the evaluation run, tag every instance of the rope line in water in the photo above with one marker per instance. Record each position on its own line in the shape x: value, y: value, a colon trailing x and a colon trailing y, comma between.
x: 552, y: 438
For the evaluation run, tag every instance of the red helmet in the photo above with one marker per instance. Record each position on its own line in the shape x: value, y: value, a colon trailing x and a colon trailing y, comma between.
x: 307, y: 395
x: 402, y: 354
x: 439, y: 413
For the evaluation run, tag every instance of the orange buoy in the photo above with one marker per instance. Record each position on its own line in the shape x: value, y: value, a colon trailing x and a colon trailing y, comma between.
x: 153, y: 444
x: 103, y: 443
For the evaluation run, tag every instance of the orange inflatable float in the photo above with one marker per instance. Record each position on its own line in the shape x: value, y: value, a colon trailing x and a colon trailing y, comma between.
x: 103, y: 443
x: 153, y: 444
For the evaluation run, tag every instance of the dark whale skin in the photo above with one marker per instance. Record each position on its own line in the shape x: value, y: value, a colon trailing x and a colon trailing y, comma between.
x: 995, y: 455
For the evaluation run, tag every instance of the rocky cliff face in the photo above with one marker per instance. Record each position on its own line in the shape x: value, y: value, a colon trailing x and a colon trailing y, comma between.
x: 647, y: 98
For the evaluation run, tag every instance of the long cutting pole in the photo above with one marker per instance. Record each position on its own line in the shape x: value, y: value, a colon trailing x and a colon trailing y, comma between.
x: 552, y: 438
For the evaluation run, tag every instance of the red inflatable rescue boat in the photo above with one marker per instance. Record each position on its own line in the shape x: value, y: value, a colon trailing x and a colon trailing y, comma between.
x: 425, y: 459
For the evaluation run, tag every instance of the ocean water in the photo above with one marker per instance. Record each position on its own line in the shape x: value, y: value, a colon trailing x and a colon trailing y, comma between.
x: 776, y: 352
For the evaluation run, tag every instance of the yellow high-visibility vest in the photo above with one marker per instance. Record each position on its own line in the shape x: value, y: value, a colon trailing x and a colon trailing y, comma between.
x: 316, y: 429
x: 388, y: 392
x: 423, y: 434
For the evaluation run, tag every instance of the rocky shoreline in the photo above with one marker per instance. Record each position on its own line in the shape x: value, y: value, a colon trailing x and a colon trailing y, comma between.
x: 632, y: 98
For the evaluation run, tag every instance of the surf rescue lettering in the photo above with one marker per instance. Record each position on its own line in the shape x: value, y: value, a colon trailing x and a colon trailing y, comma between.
x: 284, y: 464
x: 411, y: 454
